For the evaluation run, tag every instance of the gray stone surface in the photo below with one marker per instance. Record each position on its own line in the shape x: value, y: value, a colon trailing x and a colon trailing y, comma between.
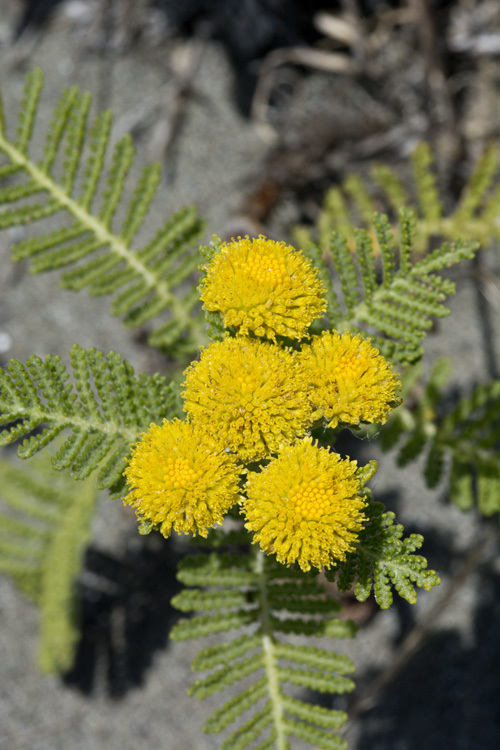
x: 447, y: 694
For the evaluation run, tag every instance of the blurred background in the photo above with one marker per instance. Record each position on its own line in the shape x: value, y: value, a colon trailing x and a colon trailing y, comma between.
x: 255, y: 108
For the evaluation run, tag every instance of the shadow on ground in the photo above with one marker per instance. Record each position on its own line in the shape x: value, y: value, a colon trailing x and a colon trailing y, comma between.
x: 125, y: 616
x: 444, y: 696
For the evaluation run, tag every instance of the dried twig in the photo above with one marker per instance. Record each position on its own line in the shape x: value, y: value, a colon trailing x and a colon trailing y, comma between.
x: 331, y: 62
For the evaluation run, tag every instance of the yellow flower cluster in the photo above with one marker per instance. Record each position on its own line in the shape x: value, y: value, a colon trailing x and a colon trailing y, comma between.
x: 348, y: 379
x: 180, y: 480
x: 251, y: 402
x: 305, y: 506
x: 263, y: 287
x: 250, y: 394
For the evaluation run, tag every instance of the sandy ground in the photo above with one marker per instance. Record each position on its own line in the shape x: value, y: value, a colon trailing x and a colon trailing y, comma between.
x: 446, y: 694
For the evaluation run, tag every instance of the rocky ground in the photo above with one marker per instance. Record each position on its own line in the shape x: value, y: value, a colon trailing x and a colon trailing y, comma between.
x: 428, y: 676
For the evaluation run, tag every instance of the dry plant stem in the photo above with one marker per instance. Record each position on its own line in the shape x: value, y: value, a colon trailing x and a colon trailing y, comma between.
x: 104, y: 93
x: 481, y: 551
x: 340, y: 30
x: 441, y: 107
x: 484, y: 286
x: 331, y: 62
x: 186, y: 65
x: 489, y: 287
x: 354, y: 16
x: 162, y: 114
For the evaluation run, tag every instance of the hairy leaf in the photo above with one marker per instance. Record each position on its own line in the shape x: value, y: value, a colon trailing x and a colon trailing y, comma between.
x: 252, y: 590
x: 382, y: 560
x: 394, y: 304
x: 460, y: 442
x: 97, y: 229
x: 44, y: 526
x: 104, y: 411
x: 472, y: 218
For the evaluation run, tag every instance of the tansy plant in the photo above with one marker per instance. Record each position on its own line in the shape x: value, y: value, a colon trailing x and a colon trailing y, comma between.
x: 253, y: 405
x: 263, y: 404
x: 289, y: 349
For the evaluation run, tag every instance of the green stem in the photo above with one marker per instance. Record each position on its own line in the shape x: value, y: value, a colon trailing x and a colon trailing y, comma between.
x: 86, y: 425
x: 270, y: 655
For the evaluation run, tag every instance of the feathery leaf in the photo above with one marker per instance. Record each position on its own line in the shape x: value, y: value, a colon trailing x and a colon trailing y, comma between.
x: 383, y: 559
x: 251, y: 591
x: 461, y: 443
x: 94, y: 243
x: 472, y: 218
x: 105, y: 410
x: 44, y: 526
x: 395, y: 305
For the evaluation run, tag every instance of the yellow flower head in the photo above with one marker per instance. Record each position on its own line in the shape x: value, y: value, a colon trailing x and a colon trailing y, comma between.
x: 179, y: 480
x: 249, y: 394
x: 305, y: 506
x: 348, y: 379
x: 263, y: 286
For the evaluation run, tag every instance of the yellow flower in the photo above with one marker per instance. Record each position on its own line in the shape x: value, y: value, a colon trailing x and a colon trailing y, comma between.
x: 265, y: 287
x: 349, y: 380
x: 305, y: 506
x: 179, y: 480
x: 249, y: 394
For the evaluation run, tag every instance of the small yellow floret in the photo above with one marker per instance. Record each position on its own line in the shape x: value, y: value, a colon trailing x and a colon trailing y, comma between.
x: 264, y: 287
x: 305, y: 506
x: 349, y: 381
x: 179, y: 480
x: 249, y: 394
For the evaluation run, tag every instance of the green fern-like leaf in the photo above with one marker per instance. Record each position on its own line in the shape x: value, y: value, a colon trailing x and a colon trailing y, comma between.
x: 105, y: 410
x: 397, y: 309
x: 214, y: 324
x: 44, y: 526
x: 462, y: 443
x: 384, y: 559
x: 473, y: 217
x: 252, y: 591
x: 95, y: 239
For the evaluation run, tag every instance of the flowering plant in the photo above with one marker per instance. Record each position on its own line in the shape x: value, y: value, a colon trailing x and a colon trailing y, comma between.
x: 251, y: 402
x: 249, y: 445
x: 264, y: 402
